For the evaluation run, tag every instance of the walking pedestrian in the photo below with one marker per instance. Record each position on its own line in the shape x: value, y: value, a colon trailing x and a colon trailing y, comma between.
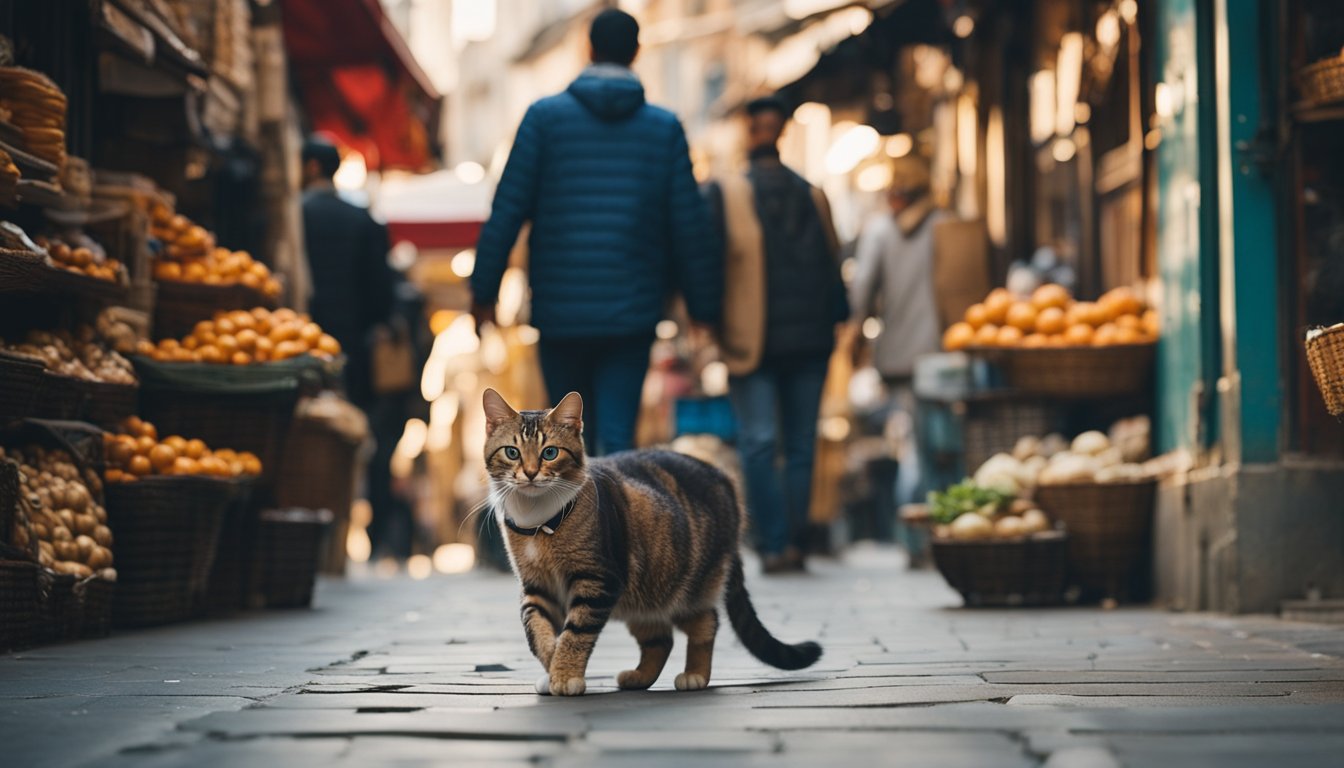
x: 894, y: 279
x: 353, y: 291
x: 783, y: 301
x: 347, y: 255
x: 605, y: 179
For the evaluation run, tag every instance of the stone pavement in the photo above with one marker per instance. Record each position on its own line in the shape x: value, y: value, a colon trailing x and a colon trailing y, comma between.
x: 436, y: 672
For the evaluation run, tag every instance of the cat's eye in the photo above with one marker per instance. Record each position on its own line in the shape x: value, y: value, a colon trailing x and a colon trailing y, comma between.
x: 550, y: 453
x: 513, y: 453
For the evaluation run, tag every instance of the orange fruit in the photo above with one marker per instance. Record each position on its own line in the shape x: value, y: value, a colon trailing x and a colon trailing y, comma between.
x: 240, y: 358
x: 246, y: 339
x: 997, y: 305
x: 1125, y: 335
x: 227, y: 345
x: 176, y: 442
x: 1152, y: 325
x: 1078, y: 335
x: 195, y: 449
x: 225, y: 327
x: 286, y: 331
x: 1105, y: 335
x: 1009, y: 336
x: 195, y: 272
x: 1122, y: 301
x: 958, y: 336
x: 1035, y: 341
x: 1050, y: 295
x: 185, y: 466
x: 162, y: 457
x: 209, y: 353
x: 167, y: 270
x: 284, y: 315
x: 330, y: 345
x: 976, y: 316
x: 309, y: 334
x: 251, y: 464
x: 1022, y: 316
x: 1051, y: 320
x: 987, y: 336
x: 1132, y: 322
x: 140, y: 466
x: 144, y: 444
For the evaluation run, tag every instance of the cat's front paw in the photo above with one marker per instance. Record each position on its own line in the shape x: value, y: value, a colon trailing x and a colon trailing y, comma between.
x: 544, y: 685
x: 687, y: 681
x: 573, y: 686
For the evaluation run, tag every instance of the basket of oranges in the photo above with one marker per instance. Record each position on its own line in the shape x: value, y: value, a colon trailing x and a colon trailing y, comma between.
x: 234, y: 380
x: 1049, y: 344
x: 166, y: 499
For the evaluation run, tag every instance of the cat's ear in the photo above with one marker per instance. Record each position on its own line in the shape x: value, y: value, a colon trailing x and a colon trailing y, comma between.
x: 568, y: 411
x: 496, y: 410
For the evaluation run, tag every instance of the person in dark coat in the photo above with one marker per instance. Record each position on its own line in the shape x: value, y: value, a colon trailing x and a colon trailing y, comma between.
x: 785, y: 302
x: 347, y: 255
x: 617, y: 223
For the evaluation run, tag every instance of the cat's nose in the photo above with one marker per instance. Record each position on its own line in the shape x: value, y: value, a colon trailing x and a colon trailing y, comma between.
x: 531, y: 473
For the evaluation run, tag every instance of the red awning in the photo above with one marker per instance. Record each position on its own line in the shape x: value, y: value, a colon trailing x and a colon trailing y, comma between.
x: 359, y: 82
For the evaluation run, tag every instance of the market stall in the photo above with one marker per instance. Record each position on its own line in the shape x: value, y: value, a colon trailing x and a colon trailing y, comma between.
x: 150, y: 374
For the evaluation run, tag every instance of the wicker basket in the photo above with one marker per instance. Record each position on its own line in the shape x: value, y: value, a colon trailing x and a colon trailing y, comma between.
x: 60, y: 397
x: 1079, y: 372
x: 180, y: 305
x: 167, y: 530
x: 1323, y: 82
x: 20, y: 382
x: 318, y: 471
x: 60, y: 607
x: 289, y: 551
x: 95, y: 602
x: 994, y: 425
x: 228, y: 584
x: 1110, y: 534
x: 1325, y: 353
x: 20, y: 605
x: 1027, y: 571
x: 107, y: 404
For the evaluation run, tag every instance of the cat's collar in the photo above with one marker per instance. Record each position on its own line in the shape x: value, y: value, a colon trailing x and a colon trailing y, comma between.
x: 549, y: 527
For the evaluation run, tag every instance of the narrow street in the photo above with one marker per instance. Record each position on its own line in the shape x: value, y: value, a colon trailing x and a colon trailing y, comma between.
x: 437, y: 672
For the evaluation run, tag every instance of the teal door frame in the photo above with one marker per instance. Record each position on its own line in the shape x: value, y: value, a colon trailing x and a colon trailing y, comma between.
x: 1249, y: 274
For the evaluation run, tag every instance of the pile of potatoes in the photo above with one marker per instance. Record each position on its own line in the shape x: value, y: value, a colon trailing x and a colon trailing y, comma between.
x: 81, y: 355
x: 136, y: 451
x: 61, y: 513
x: 190, y: 255
x: 244, y: 337
x: 82, y: 259
x: 1050, y: 317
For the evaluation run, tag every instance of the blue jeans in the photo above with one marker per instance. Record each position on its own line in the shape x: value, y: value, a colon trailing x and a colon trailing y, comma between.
x: 609, y: 375
x: 777, y: 408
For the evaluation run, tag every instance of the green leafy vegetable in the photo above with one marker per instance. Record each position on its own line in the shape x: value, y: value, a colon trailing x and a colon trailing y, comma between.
x: 966, y: 496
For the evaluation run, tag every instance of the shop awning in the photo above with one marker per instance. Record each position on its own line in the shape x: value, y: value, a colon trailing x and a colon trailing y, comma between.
x: 842, y: 73
x: 434, y: 211
x: 358, y: 81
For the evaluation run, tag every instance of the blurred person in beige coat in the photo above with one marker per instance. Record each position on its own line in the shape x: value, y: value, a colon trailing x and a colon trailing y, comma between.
x: 894, y: 282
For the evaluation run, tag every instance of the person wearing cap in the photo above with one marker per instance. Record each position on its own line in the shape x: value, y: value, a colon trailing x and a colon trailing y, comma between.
x: 605, y: 179
x: 783, y: 299
x: 893, y: 281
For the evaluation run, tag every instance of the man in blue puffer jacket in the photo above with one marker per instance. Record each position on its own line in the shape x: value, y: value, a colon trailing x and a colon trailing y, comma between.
x: 617, y: 225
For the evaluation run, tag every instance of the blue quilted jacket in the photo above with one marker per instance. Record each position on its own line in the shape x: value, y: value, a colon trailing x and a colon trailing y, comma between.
x: 617, y: 221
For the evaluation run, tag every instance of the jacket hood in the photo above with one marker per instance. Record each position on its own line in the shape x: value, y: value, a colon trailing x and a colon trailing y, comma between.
x: 608, y: 91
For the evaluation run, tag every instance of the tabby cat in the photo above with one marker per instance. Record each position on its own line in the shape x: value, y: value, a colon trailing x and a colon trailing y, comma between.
x: 647, y: 537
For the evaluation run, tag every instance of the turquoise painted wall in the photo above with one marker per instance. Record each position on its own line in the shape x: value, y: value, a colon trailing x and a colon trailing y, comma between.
x: 1185, y: 238
x: 1249, y: 270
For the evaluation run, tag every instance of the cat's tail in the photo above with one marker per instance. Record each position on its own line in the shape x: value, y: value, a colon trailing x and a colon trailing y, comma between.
x: 754, y: 635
